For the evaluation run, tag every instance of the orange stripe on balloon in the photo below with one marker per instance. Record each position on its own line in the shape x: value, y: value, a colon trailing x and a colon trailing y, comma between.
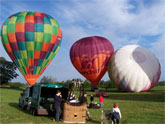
x: 45, y: 46
x: 37, y: 14
x: 48, y: 63
x: 7, y: 45
x: 29, y: 19
x: 37, y: 54
x: 27, y: 69
x: 12, y: 37
x: 19, y: 27
x: 42, y: 70
x: 53, y: 39
x: 59, y: 32
x: 30, y: 62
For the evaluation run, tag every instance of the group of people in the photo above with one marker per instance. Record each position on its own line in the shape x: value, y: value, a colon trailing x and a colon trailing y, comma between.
x: 100, y: 99
x: 115, y: 115
x: 58, y: 100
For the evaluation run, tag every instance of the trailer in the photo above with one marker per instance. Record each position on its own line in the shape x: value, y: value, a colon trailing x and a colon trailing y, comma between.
x: 43, y: 98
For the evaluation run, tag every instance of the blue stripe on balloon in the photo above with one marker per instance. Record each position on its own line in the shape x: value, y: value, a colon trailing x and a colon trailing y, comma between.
x: 38, y: 27
x: 29, y: 36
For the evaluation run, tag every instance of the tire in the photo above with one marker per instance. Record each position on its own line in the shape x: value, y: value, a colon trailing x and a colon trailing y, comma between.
x: 31, y: 110
x: 19, y: 105
x: 23, y: 106
x: 34, y: 112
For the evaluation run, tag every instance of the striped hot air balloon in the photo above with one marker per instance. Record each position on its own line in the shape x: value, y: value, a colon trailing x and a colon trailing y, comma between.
x: 31, y: 39
x: 134, y: 68
x: 90, y: 56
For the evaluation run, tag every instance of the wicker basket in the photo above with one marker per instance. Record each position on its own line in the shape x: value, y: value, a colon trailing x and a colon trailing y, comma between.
x: 74, y: 113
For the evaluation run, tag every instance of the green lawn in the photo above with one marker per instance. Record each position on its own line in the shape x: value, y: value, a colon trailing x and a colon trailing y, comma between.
x: 136, y: 108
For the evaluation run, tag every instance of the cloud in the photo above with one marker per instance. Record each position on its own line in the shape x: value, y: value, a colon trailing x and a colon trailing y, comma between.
x: 112, y: 19
x: 115, y: 15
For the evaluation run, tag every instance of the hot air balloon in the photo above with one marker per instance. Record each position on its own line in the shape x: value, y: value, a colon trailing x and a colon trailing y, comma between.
x: 31, y: 39
x: 134, y: 68
x: 90, y: 56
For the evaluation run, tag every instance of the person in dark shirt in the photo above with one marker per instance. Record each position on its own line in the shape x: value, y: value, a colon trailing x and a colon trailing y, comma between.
x: 57, y: 105
x: 83, y: 99
x: 92, y: 98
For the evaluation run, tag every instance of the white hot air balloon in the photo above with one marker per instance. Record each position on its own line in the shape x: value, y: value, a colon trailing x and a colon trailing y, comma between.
x: 134, y: 68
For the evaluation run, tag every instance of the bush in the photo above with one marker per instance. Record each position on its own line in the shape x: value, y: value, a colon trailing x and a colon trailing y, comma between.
x: 161, y: 83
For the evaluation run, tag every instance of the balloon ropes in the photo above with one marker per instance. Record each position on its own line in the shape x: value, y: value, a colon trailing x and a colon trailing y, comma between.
x: 31, y: 39
x: 76, y: 88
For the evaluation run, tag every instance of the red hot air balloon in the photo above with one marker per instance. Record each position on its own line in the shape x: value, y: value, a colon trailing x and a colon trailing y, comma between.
x: 90, y: 56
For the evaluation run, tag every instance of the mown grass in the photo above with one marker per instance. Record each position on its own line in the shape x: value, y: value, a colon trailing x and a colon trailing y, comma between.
x: 136, y: 108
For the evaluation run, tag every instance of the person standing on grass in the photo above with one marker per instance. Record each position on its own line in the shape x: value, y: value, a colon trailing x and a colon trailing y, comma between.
x: 83, y: 99
x: 116, y: 114
x: 92, y: 98
x: 101, y: 100
x: 57, y: 105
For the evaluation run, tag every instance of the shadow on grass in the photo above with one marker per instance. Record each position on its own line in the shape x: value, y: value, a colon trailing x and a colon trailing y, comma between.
x: 152, y: 96
x: 15, y: 105
x: 93, y: 121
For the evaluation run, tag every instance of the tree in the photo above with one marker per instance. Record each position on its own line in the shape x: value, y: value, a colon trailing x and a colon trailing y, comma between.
x: 101, y: 84
x: 7, y: 71
x: 47, y: 79
x: 67, y: 83
x: 87, y: 84
x: 110, y: 84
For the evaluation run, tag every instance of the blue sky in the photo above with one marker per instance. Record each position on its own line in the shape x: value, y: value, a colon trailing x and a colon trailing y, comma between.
x: 123, y: 22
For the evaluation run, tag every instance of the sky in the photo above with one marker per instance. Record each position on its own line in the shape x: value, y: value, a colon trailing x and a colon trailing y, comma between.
x: 123, y: 22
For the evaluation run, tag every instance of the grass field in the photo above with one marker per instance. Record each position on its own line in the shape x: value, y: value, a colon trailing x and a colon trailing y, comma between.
x: 136, y: 108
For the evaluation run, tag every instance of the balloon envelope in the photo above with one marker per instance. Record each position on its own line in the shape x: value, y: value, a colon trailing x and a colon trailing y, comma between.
x: 90, y: 56
x: 134, y: 68
x: 31, y: 39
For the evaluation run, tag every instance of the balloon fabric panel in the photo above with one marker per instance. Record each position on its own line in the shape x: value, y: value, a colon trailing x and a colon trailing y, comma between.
x: 31, y: 39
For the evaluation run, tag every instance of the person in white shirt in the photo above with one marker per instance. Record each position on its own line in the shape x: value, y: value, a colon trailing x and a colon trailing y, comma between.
x: 71, y: 96
x: 116, y: 114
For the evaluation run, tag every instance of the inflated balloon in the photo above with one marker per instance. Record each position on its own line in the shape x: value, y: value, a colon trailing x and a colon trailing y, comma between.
x: 134, y: 68
x: 90, y: 56
x: 31, y: 39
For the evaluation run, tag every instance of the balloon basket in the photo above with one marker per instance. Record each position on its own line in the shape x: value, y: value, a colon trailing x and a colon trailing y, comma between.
x: 74, y: 113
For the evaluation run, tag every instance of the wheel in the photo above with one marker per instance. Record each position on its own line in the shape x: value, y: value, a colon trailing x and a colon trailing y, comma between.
x: 24, y: 106
x: 19, y: 104
x: 34, y: 112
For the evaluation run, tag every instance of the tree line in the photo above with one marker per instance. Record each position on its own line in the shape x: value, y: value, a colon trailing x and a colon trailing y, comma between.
x: 87, y: 84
